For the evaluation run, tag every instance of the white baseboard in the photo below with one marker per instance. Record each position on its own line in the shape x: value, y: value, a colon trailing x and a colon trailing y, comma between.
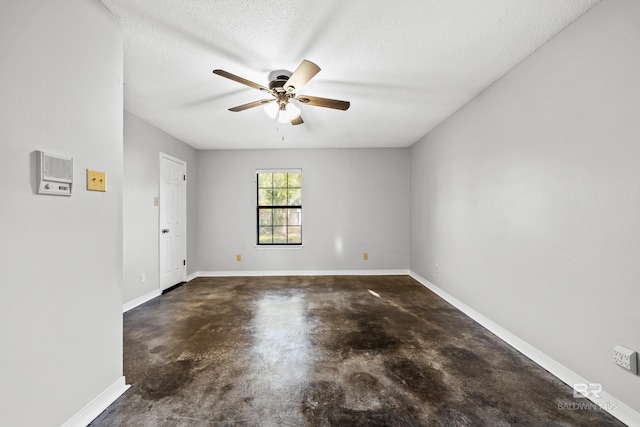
x: 607, y: 402
x: 302, y: 273
x: 97, y: 405
x: 191, y: 276
x: 141, y: 300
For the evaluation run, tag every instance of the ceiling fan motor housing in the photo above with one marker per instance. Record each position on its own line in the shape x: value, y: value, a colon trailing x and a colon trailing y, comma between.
x: 278, y: 83
x: 277, y: 89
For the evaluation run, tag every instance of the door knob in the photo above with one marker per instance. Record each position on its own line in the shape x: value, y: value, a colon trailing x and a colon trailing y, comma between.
x: 165, y: 230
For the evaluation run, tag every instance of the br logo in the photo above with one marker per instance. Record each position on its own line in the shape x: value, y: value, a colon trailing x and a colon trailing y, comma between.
x: 587, y: 390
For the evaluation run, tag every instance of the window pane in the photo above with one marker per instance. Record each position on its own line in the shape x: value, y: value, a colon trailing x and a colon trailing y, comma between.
x: 295, y: 196
x: 280, y: 235
x: 295, y: 217
x: 280, y: 216
x: 266, y: 217
x: 280, y: 197
x: 280, y: 180
x: 265, y: 180
x: 265, y: 197
x: 265, y: 235
x: 295, y: 234
x: 295, y: 180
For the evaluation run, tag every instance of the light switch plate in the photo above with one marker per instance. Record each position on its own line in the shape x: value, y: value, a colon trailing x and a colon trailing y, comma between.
x: 96, y: 181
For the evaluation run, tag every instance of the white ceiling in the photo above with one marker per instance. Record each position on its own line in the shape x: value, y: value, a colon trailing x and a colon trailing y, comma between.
x: 404, y: 66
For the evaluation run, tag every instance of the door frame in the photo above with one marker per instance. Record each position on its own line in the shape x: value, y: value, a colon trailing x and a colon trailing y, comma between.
x: 183, y: 227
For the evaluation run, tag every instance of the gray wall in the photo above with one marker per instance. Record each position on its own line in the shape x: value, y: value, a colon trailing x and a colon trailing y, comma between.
x: 354, y: 201
x: 61, y: 305
x: 528, y: 198
x: 143, y: 144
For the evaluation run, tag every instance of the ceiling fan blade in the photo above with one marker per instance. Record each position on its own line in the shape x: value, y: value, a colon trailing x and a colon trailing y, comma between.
x: 251, y: 105
x: 305, y: 72
x: 297, y: 121
x: 323, y: 102
x: 238, y: 79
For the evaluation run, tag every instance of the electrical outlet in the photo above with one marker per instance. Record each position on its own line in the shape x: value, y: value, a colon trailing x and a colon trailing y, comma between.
x: 365, y: 256
x: 143, y: 278
x: 238, y: 257
x: 626, y: 358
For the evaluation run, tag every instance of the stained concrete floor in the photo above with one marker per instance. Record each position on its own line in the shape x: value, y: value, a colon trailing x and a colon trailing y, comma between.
x: 324, y: 351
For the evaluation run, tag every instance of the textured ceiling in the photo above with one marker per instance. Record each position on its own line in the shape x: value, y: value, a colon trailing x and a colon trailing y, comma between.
x: 405, y: 66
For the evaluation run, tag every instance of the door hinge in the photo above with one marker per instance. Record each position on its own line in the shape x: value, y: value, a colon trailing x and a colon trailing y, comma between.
x: 184, y: 177
x: 184, y: 262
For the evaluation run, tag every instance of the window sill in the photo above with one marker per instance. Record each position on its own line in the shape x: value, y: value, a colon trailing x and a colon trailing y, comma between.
x: 278, y: 247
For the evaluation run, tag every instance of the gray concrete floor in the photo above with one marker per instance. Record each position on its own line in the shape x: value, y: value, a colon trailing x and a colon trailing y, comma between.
x: 324, y: 351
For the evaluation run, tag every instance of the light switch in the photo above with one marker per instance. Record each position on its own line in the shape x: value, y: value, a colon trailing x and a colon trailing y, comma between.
x: 96, y: 181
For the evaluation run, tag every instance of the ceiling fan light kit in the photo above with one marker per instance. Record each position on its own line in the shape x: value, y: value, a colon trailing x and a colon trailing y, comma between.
x: 283, y: 88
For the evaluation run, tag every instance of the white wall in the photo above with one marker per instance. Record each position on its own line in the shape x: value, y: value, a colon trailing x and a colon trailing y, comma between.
x: 61, y: 257
x: 142, y: 145
x: 528, y: 198
x: 354, y: 201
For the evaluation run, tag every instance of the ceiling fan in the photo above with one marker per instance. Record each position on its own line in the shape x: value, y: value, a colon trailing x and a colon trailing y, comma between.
x: 283, y: 88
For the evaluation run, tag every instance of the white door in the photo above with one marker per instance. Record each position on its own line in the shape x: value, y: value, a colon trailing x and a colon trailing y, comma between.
x: 173, y: 225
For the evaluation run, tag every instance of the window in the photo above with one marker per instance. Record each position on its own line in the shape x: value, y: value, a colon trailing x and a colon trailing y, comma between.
x: 279, y: 207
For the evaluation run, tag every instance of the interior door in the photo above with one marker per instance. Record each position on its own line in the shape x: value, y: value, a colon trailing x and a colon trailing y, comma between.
x: 173, y: 225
